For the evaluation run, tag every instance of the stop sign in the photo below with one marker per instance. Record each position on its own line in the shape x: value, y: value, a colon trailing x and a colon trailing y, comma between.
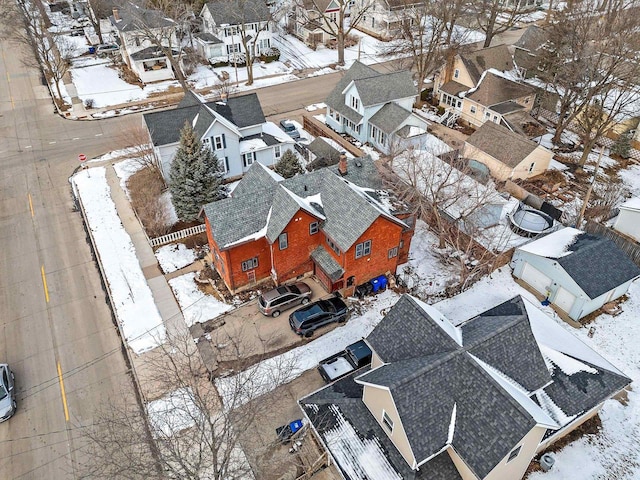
x: 82, y: 157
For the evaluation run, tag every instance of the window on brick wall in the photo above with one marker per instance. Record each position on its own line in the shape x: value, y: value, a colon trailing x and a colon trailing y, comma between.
x: 363, y: 249
x: 283, y: 241
x: 393, y: 252
x: 249, y: 264
x: 313, y: 228
x: 333, y: 246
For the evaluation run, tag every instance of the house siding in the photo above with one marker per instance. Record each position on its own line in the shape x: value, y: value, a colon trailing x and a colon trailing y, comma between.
x: 379, y: 399
x: 517, y: 467
x: 628, y: 223
x: 384, y: 235
x: 541, y: 157
x: 295, y: 260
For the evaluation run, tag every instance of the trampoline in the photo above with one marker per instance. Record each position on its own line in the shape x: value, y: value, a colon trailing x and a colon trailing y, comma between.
x: 529, y: 222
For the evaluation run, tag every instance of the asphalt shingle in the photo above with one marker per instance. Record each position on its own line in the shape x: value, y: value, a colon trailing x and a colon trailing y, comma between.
x: 389, y: 117
x: 501, y: 143
x: 237, y: 12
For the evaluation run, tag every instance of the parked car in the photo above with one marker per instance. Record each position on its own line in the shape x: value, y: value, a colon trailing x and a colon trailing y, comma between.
x: 275, y: 301
x: 290, y: 129
x: 307, y: 320
x: 352, y: 358
x: 7, y: 393
x: 107, y: 48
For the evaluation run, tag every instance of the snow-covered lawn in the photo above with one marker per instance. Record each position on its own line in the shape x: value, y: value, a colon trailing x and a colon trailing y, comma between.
x: 195, y: 305
x: 102, y: 84
x: 133, y: 303
x: 174, y: 257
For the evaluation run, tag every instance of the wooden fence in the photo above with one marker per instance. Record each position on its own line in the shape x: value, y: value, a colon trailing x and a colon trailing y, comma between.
x: 319, y: 129
x: 628, y: 246
x: 172, y: 237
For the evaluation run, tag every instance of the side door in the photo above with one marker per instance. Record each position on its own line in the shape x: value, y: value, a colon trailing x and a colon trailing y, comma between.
x: 288, y: 300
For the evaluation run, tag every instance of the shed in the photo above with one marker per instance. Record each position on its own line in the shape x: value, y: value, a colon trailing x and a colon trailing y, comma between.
x: 628, y: 220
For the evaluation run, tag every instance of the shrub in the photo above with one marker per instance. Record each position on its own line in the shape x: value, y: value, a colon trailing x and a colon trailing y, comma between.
x: 88, y: 103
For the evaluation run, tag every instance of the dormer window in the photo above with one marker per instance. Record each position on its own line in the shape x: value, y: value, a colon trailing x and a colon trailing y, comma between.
x: 355, y: 103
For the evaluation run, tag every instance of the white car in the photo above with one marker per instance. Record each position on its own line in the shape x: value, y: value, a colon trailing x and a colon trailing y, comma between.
x: 7, y: 393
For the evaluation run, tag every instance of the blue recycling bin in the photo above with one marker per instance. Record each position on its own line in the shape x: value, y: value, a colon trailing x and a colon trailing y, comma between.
x: 92, y: 49
x: 379, y: 283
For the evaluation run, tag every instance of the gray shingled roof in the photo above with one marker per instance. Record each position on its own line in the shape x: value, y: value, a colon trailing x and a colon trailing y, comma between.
x: 335, y: 99
x: 389, y: 117
x: 532, y: 38
x: 477, y: 62
x: 429, y: 384
x: 495, y: 89
x: 453, y: 88
x: 328, y: 264
x: 348, y: 212
x: 134, y: 18
x: 424, y: 362
x: 236, y: 12
x: 361, y: 171
x: 383, y: 88
x: 507, y: 107
x: 164, y: 126
x: 501, y: 143
x: 209, y: 38
x: 597, y: 265
x: 343, y: 400
x: 504, y: 334
x: 150, y: 53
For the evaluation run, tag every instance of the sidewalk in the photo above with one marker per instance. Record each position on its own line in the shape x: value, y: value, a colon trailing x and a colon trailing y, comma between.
x: 162, y: 294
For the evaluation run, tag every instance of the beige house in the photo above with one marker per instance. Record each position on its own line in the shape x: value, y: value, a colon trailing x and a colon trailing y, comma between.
x: 471, y: 401
x: 484, y: 86
x: 508, y: 155
x: 309, y: 20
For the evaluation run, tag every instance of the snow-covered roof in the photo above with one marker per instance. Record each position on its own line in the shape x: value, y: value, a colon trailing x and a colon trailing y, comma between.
x: 631, y: 204
x: 554, y: 245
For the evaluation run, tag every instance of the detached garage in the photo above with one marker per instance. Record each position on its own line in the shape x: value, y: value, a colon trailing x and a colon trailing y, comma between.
x: 577, y: 272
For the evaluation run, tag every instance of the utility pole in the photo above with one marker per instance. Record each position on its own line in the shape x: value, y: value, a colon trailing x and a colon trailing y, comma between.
x: 589, y: 190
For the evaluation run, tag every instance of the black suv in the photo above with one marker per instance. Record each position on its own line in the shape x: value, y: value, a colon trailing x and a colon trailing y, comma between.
x: 306, y: 320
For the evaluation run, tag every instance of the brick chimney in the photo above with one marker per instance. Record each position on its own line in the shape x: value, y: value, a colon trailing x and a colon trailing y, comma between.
x: 116, y: 15
x: 342, y: 165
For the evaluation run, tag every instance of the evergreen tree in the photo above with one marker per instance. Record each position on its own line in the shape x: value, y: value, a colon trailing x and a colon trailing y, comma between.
x: 195, y: 178
x: 622, y: 146
x: 288, y: 165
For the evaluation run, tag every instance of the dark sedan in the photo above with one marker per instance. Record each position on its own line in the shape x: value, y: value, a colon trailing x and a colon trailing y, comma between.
x: 307, y: 320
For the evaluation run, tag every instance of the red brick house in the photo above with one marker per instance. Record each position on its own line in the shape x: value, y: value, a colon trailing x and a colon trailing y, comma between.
x: 335, y: 222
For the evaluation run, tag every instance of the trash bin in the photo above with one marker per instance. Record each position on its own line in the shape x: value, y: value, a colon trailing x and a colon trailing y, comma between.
x: 383, y: 281
x: 92, y: 49
x: 379, y: 283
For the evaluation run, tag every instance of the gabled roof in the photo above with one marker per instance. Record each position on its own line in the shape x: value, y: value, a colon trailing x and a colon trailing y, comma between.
x: 373, y: 88
x: 135, y: 18
x: 346, y: 209
x: 498, y: 57
x: 595, y: 263
x: 385, y: 87
x: 208, y: 38
x: 237, y: 12
x: 494, y: 89
x: 150, y: 53
x: 389, y: 117
x: 532, y: 39
x: 325, y: 153
x: 468, y: 393
x: 501, y: 143
x: 241, y: 111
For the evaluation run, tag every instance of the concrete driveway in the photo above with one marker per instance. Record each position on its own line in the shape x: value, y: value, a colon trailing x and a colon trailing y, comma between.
x: 243, y: 336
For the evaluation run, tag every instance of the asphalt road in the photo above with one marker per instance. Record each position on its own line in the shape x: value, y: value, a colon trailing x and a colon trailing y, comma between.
x: 54, y: 320
x: 56, y: 330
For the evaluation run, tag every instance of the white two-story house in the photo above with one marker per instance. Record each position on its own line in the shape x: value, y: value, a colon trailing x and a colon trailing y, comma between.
x: 224, y: 22
x: 135, y: 26
x: 235, y: 129
x: 376, y: 108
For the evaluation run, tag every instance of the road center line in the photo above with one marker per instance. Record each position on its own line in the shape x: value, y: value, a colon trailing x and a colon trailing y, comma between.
x: 64, y: 396
x: 44, y: 283
x: 31, y: 206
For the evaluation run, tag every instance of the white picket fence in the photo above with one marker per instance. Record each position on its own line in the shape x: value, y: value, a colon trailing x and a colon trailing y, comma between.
x: 172, y: 237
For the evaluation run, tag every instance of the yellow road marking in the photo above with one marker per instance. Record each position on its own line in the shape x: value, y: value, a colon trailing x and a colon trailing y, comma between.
x: 64, y: 396
x: 44, y: 283
x: 31, y: 206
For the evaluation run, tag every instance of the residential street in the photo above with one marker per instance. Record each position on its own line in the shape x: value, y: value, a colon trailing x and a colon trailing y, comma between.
x: 64, y: 322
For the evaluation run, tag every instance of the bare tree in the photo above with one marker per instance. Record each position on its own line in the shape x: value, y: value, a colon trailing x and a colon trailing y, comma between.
x: 136, y: 137
x: 333, y: 22
x: 158, y: 27
x: 497, y: 16
x: 52, y: 52
x: 457, y: 207
x: 426, y: 35
x: 98, y: 9
x: 191, y: 431
x: 589, y: 60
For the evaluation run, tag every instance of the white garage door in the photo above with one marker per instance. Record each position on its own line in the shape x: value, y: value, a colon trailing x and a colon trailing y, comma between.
x: 564, y: 299
x: 534, y: 277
